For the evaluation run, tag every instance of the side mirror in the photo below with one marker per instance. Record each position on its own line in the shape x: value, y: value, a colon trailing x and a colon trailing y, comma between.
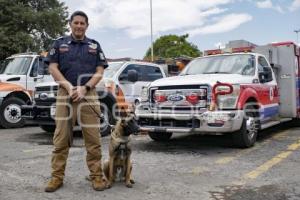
x: 262, y: 77
x: 133, y: 76
x: 266, y: 75
x: 123, y: 77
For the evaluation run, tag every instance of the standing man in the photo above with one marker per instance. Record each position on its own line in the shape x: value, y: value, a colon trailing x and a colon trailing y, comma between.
x: 77, y: 64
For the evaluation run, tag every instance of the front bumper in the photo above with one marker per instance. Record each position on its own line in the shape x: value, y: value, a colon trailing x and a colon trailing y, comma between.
x: 33, y: 114
x: 205, y: 122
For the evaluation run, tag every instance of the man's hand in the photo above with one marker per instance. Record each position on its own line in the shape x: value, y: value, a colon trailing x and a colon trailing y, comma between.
x: 70, y: 89
x: 78, y: 93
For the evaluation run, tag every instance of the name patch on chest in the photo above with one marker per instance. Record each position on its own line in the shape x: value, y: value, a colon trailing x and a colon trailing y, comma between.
x: 93, y: 51
x: 63, y: 48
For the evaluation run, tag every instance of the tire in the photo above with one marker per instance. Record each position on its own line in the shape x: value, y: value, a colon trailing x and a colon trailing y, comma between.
x: 246, y: 136
x: 106, y: 121
x: 160, y: 136
x: 48, y: 128
x: 295, y: 122
x: 10, y: 113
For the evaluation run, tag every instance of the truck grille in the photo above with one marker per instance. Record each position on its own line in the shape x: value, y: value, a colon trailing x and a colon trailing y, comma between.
x: 46, y: 88
x: 183, y: 98
x: 169, y: 123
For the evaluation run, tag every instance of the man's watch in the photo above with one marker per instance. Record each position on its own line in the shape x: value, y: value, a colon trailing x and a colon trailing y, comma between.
x: 87, y: 87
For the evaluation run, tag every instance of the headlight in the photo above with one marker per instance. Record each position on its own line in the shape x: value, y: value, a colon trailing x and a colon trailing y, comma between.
x: 229, y: 101
x: 144, y: 94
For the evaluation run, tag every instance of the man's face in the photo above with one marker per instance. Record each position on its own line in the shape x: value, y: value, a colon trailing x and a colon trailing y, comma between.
x: 78, y: 27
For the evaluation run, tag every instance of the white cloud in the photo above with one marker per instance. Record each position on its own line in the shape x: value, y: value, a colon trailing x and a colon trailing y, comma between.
x: 224, y: 24
x: 295, y: 5
x: 124, y: 50
x: 133, y: 16
x: 264, y: 4
x: 268, y: 4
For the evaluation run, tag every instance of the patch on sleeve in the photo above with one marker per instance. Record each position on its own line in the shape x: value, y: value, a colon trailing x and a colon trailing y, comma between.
x: 52, y: 52
x: 102, y: 57
x: 93, y: 45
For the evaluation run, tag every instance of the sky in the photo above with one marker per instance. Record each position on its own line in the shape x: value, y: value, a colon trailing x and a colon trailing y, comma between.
x: 122, y: 27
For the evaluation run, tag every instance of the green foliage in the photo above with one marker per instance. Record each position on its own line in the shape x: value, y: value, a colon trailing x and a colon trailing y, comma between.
x: 173, y: 46
x: 30, y: 25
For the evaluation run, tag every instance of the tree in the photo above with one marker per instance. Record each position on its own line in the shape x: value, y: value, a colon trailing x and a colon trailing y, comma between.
x: 30, y: 25
x: 172, y: 46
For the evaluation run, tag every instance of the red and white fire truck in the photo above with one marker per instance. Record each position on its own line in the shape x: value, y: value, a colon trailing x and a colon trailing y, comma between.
x: 240, y: 90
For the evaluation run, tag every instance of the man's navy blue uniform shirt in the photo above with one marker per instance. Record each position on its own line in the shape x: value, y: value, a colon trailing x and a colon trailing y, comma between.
x: 77, y: 60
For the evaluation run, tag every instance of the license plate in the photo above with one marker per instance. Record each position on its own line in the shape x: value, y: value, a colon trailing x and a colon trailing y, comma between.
x: 52, y: 110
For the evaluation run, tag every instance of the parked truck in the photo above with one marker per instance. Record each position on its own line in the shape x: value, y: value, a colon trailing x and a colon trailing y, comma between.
x: 119, y: 89
x: 239, y: 90
x: 18, y: 75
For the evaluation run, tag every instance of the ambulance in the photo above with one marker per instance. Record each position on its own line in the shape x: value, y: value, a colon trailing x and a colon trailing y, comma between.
x: 19, y: 74
x: 239, y: 90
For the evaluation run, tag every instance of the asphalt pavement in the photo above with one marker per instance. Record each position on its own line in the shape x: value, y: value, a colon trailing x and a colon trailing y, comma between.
x: 186, y: 167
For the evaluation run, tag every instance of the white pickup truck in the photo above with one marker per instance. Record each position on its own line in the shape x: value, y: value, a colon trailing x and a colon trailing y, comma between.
x: 120, y: 88
x: 19, y: 74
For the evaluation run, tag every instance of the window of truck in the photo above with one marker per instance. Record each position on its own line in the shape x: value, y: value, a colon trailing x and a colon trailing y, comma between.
x: 151, y: 73
x: 223, y: 64
x: 39, y: 67
x: 16, y: 66
x: 112, y: 69
x: 124, y: 75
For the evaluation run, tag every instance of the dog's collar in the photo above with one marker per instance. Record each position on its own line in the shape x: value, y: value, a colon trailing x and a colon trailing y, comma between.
x: 122, y: 139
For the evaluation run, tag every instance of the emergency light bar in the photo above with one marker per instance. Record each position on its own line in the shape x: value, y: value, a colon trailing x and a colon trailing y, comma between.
x: 229, y: 50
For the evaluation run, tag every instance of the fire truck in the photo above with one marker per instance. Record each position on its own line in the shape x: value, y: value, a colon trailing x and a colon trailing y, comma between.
x: 239, y: 90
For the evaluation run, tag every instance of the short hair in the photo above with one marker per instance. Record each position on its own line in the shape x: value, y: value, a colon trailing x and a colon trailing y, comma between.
x: 79, y: 13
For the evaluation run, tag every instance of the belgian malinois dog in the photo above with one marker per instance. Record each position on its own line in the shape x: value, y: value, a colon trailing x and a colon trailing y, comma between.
x: 119, y: 165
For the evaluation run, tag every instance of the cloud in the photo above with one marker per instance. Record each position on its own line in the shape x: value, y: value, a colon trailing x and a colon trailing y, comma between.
x: 224, y: 24
x: 269, y: 5
x: 133, y: 16
x: 295, y: 5
x: 123, y: 50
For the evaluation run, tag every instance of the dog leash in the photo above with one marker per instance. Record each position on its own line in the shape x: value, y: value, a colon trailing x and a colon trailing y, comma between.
x: 93, y: 109
x: 70, y: 124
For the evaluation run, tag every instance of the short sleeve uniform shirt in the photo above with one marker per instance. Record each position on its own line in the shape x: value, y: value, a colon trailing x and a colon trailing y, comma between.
x: 77, y: 60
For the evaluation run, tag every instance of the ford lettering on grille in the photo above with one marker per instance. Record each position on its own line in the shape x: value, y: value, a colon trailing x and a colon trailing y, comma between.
x: 43, y: 96
x: 176, y: 97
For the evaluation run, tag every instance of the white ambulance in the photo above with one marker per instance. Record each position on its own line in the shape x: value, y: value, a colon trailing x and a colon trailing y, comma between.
x: 240, y: 90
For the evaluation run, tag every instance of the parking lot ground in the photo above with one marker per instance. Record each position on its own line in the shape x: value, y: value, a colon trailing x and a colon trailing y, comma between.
x: 186, y: 167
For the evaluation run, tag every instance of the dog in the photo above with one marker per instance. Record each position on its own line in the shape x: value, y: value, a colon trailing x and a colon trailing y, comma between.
x: 119, y: 165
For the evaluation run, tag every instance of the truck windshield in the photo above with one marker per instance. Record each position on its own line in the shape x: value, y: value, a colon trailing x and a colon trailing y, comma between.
x: 15, y: 66
x: 243, y: 64
x: 112, y: 69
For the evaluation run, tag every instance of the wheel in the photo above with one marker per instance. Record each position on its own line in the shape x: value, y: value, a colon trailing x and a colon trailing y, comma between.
x: 160, y: 136
x: 246, y: 136
x: 295, y: 122
x: 106, y: 120
x: 48, y: 128
x: 10, y: 113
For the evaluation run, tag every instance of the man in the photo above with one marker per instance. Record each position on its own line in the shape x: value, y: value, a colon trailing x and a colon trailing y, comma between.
x: 77, y: 64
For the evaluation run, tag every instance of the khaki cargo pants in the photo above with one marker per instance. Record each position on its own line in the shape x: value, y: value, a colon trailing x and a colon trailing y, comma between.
x: 89, y: 122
